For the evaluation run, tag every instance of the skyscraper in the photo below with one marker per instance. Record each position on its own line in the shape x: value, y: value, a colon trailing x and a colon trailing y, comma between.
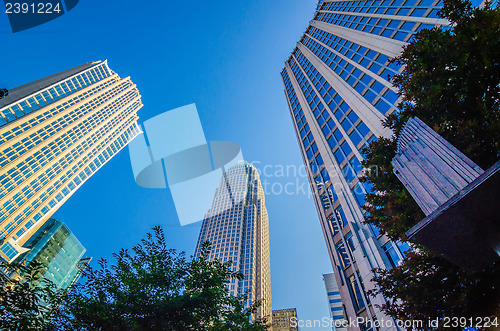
x: 59, y: 252
x: 283, y: 319
x: 237, y: 227
x: 338, y: 91
x: 54, y: 134
x: 334, y: 301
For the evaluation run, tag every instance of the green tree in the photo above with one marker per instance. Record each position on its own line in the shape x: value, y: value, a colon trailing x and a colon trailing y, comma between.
x: 26, y: 303
x: 451, y: 81
x: 154, y: 287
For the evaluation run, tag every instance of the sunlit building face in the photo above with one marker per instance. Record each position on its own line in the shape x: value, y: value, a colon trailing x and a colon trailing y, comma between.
x: 55, y: 133
x: 237, y: 227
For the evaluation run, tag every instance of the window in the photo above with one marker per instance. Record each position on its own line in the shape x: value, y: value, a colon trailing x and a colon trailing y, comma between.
x: 356, y: 165
x: 355, y: 292
x: 341, y: 217
x: 339, y: 156
x: 337, y: 135
x: 350, y: 242
x: 345, y: 147
x: 343, y: 256
x: 391, y: 254
x: 355, y: 138
x: 8, y: 250
x: 359, y: 194
x: 375, y: 230
x: 333, y: 225
x: 324, y: 174
x: 403, y: 247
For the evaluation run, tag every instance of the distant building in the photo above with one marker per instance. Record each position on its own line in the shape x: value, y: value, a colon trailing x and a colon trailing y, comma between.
x: 237, y: 226
x: 55, y: 133
x: 334, y: 301
x: 282, y: 319
x: 60, y: 253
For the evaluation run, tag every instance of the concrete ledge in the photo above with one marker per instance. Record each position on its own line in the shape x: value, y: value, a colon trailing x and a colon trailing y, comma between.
x: 466, y: 229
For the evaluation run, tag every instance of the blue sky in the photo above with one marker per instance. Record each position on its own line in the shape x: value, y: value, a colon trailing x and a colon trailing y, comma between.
x: 225, y: 56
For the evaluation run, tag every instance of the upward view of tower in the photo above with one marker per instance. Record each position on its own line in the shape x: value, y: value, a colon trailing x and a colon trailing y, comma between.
x: 55, y: 133
x: 58, y: 251
x: 237, y: 227
x: 338, y: 91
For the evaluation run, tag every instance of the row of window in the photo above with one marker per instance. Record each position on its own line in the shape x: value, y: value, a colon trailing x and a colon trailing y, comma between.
x: 82, y: 137
x: 99, y: 155
x: 26, y: 129
x: 50, y: 175
x: 383, y: 7
x: 371, y: 89
x: 339, y: 145
x: 52, y: 94
x: 84, y: 115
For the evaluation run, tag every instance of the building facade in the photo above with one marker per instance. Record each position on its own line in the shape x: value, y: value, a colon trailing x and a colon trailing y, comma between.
x: 237, y: 227
x: 338, y: 91
x: 334, y: 302
x: 283, y: 320
x: 58, y: 251
x: 54, y: 134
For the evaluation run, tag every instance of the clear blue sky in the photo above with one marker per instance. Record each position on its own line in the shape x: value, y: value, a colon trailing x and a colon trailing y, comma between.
x: 225, y: 56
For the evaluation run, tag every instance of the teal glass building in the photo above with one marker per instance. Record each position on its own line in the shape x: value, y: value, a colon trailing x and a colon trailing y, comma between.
x: 58, y: 250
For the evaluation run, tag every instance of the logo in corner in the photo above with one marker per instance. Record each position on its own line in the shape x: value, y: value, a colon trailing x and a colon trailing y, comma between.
x: 26, y: 14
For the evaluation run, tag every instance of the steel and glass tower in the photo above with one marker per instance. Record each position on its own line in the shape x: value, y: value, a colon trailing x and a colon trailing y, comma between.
x: 237, y: 227
x: 55, y: 133
x: 59, y: 253
x: 338, y: 91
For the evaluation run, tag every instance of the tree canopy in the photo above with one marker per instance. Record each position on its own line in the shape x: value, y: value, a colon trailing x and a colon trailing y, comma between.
x: 27, y: 302
x: 451, y: 81
x: 148, y: 287
x: 155, y: 287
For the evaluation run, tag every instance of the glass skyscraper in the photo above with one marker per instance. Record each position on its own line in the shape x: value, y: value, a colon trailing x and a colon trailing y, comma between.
x: 338, y: 91
x: 59, y: 252
x: 237, y: 228
x: 54, y: 134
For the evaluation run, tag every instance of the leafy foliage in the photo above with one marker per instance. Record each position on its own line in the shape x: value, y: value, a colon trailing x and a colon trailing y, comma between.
x: 154, y: 287
x: 26, y: 303
x: 451, y: 81
x: 426, y: 288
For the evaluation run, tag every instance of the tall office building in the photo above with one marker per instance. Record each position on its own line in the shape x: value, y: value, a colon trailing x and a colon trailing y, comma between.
x: 283, y: 320
x: 54, y: 134
x: 58, y: 251
x: 334, y: 302
x: 338, y: 91
x: 237, y: 227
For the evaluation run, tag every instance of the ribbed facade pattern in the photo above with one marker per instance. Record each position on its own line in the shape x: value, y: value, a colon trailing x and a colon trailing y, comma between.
x: 431, y: 169
x: 337, y: 84
x: 55, y: 133
x: 237, y: 227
